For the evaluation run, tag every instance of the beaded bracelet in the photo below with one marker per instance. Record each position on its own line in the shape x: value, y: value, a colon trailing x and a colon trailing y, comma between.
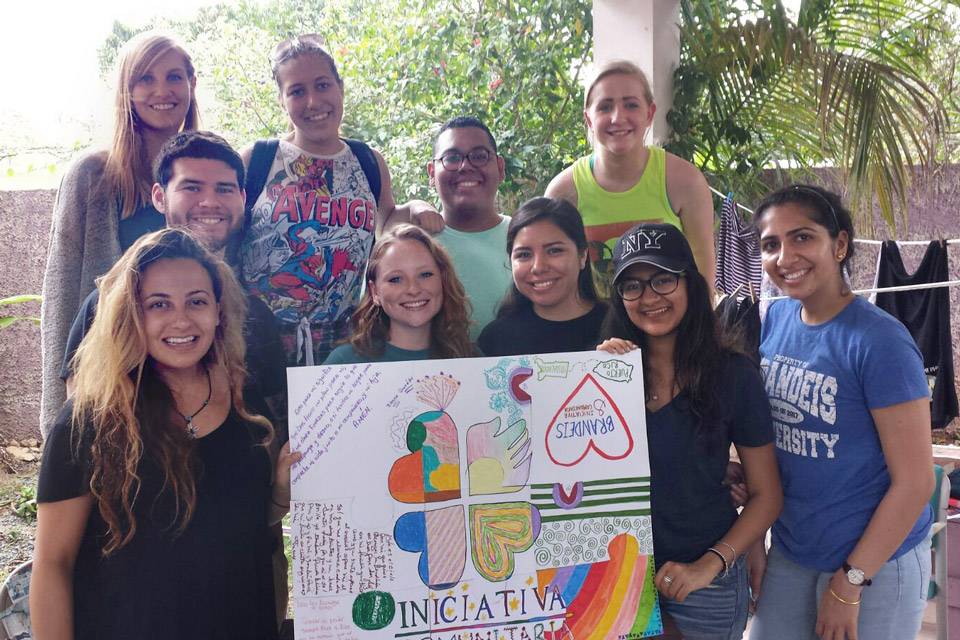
x: 723, y: 558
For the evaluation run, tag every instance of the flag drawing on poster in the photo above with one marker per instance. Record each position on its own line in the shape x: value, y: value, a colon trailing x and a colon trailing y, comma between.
x: 476, y: 498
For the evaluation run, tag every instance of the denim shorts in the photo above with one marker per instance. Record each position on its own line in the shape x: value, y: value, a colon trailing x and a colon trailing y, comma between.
x: 891, y: 608
x: 716, y: 612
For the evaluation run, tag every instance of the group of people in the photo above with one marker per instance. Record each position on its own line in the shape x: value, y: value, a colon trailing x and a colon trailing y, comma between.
x: 164, y: 352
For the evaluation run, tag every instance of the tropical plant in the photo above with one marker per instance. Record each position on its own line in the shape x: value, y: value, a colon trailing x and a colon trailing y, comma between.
x: 6, y: 321
x: 407, y: 67
x: 841, y: 85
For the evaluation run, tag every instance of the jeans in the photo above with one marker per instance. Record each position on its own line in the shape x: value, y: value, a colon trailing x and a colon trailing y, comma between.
x: 716, y: 612
x: 891, y: 608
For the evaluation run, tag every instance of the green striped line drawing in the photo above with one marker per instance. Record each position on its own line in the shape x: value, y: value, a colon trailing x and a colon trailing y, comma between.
x: 601, y: 514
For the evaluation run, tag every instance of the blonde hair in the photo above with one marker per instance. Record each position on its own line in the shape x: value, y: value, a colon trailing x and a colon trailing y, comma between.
x: 121, y: 406
x: 125, y: 167
x: 618, y: 67
x: 448, y: 329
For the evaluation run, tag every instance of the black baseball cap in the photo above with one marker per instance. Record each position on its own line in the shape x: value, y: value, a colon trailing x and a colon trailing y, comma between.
x: 656, y: 243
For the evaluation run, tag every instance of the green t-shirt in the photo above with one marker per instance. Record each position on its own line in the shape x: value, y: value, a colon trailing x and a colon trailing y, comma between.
x: 346, y: 354
x: 481, y: 261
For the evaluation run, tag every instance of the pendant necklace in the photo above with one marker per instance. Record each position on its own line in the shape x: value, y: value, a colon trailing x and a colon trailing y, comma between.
x: 192, y: 429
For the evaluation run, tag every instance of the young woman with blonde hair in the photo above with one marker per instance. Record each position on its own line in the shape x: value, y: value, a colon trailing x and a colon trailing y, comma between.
x: 156, y: 486
x: 624, y: 181
x: 104, y: 204
x: 415, y: 307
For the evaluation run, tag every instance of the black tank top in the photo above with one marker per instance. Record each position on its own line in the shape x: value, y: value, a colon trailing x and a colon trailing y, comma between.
x: 926, y: 313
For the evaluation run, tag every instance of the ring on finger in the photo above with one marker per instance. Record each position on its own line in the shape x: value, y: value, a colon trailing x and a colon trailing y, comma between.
x: 667, y: 579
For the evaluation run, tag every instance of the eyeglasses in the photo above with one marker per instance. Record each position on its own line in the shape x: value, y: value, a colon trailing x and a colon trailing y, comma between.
x: 663, y: 283
x: 477, y: 158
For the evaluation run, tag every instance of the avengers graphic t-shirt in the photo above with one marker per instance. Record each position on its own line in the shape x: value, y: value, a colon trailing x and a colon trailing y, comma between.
x: 307, y: 246
x: 822, y: 382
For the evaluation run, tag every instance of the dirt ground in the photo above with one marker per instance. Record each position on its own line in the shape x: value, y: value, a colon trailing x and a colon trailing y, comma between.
x: 16, y: 533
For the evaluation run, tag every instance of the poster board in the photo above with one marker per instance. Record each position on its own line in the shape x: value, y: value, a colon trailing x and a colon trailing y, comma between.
x: 475, y: 498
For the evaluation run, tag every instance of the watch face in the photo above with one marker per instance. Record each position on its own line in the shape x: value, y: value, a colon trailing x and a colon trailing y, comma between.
x: 855, y: 576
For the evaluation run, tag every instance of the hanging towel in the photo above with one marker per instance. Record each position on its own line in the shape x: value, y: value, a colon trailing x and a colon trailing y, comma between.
x: 738, y: 251
x: 926, y: 313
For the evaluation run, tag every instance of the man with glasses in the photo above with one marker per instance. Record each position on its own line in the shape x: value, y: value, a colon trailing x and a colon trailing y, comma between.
x: 466, y: 171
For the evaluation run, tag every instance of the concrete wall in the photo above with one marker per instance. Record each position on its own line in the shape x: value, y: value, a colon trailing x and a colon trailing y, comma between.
x: 24, y: 228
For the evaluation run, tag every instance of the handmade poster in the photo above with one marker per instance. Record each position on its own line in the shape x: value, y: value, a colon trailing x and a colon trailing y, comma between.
x: 484, y: 498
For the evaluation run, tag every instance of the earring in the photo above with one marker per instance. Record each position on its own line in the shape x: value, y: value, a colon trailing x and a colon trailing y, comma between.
x: 840, y: 256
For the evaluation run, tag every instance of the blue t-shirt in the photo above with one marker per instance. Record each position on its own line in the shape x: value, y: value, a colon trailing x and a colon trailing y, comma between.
x: 822, y: 382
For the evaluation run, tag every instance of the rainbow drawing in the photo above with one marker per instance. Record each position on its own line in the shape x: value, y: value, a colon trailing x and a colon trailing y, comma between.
x: 612, y: 599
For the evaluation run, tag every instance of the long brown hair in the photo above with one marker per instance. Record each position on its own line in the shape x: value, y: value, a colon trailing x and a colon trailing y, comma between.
x: 702, y: 347
x: 125, y: 165
x: 448, y: 329
x: 121, y: 406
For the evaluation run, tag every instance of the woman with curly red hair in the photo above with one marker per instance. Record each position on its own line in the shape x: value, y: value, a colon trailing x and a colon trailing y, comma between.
x: 415, y: 307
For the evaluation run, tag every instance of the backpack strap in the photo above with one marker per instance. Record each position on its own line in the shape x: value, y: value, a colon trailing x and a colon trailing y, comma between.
x: 261, y: 159
x: 369, y: 164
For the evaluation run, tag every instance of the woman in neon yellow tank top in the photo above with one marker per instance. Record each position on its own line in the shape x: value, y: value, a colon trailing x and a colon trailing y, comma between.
x: 624, y: 182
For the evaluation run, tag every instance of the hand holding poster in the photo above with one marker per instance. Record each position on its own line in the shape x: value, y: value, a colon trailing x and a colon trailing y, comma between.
x: 490, y: 498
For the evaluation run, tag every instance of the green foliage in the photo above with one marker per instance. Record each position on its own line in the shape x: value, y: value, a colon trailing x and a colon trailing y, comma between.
x: 25, y: 502
x: 6, y: 321
x: 843, y: 85
x: 407, y: 67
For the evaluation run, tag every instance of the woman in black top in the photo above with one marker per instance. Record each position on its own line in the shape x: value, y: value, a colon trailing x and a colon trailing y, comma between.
x: 155, y: 488
x: 552, y: 306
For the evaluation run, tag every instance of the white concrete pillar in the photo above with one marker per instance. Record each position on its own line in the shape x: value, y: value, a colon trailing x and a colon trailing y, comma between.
x: 645, y: 32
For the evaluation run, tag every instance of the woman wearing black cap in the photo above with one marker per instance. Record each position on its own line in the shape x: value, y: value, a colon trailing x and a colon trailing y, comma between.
x: 702, y: 394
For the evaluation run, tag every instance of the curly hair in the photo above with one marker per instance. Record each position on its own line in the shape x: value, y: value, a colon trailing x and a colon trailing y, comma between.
x: 122, y: 407
x: 448, y: 329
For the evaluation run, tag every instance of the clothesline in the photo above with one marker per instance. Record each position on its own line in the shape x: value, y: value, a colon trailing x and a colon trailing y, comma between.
x: 909, y: 287
x: 857, y: 240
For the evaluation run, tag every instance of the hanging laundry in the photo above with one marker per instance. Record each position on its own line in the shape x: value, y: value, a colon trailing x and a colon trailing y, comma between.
x: 742, y: 316
x: 738, y: 251
x: 926, y: 313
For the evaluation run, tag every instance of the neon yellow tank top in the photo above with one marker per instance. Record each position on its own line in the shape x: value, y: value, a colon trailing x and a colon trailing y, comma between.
x: 608, y: 214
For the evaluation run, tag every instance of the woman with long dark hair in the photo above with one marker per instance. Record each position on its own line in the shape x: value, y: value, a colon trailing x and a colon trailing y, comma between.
x: 850, y: 554
x: 156, y: 487
x: 702, y: 394
x: 552, y: 305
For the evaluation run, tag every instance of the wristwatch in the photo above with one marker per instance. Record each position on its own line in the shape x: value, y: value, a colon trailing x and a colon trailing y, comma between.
x: 855, y: 576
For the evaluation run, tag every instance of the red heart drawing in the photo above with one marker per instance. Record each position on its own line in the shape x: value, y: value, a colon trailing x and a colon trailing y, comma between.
x: 588, y: 419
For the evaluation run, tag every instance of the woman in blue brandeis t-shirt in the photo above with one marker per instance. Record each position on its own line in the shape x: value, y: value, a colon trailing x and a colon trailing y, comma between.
x: 850, y: 554
x: 702, y: 395
x: 414, y: 308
